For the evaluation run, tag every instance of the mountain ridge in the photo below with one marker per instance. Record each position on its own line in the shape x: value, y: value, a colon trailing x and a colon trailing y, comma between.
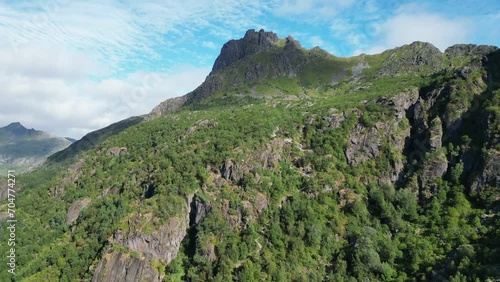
x: 423, y: 55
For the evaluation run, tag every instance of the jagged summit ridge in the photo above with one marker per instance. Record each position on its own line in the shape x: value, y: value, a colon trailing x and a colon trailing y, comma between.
x: 17, y: 128
x: 262, y: 55
x: 253, y: 42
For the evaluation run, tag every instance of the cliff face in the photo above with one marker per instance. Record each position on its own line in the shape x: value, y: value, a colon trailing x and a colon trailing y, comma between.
x: 121, y: 267
x: 252, y: 43
x: 161, y: 246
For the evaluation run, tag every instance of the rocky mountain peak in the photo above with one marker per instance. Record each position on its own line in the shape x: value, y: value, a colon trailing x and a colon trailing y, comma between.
x: 17, y: 128
x: 252, y: 43
x: 459, y: 50
x: 15, y: 125
x: 415, y: 57
x: 291, y: 43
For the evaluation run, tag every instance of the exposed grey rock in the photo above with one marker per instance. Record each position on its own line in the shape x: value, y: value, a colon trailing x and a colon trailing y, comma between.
x: 162, y: 245
x: 228, y: 170
x: 252, y: 43
x: 335, y: 118
x: 291, y: 43
x: 169, y: 105
x: 363, y: 143
x: 121, y: 267
x: 200, y: 209
x: 419, y: 117
x: 464, y: 72
x: 273, y: 153
x: 117, y: 151
x: 357, y: 70
x: 416, y: 57
x: 401, y: 102
x: 435, y: 134
x: 461, y: 50
x: 434, y: 167
x: 75, y: 209
x: 490, y: 175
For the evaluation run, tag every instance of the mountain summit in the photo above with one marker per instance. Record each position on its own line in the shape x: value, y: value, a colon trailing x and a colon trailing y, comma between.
x: 21, y: 149
x: 17, y: 128
x: 252, y: 43
x: 262, y: 57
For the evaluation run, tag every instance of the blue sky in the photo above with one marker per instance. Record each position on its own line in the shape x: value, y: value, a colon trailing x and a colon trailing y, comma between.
x: 69, y: 67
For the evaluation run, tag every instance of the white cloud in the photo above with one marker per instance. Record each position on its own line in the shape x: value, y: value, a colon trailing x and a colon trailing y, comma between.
x: 64, y: 64
x: 316, y: 41
x: 340, y: 26
x: 315, y: 9
x: 209, y: 44
x: 407, y: 27
x: 62, y: 109
x: 67, y: 103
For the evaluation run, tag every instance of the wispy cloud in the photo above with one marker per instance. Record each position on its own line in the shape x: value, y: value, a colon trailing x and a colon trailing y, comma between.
x: 313, y: 10
x: 210, y: 44
x: 115, y: 31
x: 69, y: 67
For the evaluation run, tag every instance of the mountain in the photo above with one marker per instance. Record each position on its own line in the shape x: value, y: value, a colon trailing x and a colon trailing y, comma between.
x: 21, y: 149
x: 285, y: 164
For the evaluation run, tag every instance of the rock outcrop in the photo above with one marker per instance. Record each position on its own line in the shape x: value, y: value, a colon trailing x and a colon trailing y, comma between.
x: 434, y: 168
x: 116, y: 151
x: 435, y: 134
x: 252, y: 43
x: 162, y: 246
x: 122, y: 267
x: 364, y: 143
x: 468, y: 50
x: 415, y: 57
x: 490, y: 175
x: 75, y: 209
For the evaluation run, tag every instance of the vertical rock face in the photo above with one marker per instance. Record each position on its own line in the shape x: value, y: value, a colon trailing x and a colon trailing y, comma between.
x: 120, y: 267
x: 490, y: 175
x: 364, y: 143
x: 435, y: 134
x: 162, y: 245
x: 199, y: 210
x: 252, y: 43
x: 434, y: 168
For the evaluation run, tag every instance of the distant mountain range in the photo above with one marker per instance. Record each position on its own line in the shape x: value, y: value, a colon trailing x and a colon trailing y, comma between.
x: 21, y: 149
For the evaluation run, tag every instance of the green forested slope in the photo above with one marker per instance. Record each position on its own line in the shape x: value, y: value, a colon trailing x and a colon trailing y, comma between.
x: 327, y: 172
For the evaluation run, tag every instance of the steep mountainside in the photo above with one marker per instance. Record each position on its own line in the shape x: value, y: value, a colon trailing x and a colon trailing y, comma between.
x: 21, y: 149
x: 286, y: 164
